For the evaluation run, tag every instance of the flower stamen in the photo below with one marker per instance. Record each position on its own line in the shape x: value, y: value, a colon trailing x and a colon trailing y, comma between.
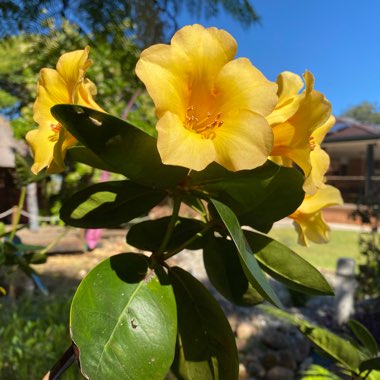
x: 203, y: 126
x: 56, y: 129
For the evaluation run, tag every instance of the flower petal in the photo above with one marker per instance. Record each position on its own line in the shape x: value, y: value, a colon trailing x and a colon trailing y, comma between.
x: 243, y: 141
x: 84, y: 93
x: 320, y: 162
x: 289, y: 99
x: 324, y: 197
x: 292, y: 138
x: 51, y: 90
x: 165, y: 73
x: 320, y: 133
x: 240, y: 85
x: 179, y: 146
x: 208, y: 49
x: 42, y: 147
x: 72, y: 66
x: 312, y: 227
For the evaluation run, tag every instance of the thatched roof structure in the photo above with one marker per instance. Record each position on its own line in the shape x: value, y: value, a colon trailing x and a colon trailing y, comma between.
x: 9, y: 145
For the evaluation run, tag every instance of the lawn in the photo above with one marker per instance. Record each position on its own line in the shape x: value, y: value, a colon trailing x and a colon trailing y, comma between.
x: 323, y: 256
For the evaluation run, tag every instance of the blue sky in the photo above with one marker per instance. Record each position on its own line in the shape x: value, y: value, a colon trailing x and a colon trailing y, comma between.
x: 337, y: 40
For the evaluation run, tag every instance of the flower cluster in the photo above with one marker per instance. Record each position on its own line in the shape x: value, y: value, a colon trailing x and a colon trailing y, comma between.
x: 210, y: 108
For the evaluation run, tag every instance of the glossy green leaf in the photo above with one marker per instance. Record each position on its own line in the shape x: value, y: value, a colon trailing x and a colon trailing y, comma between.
x: 109, y: 204
x: 127, y: 149
x: 206, y: 346
x: 259, y: 197
x: 332, y: 345
x: 286, y: 266
x: 248, y: 261
x: 364, y: 337
x: 224, y: 270
x: 148, y: 235
x: 86, y: 156
x: 123, y: 320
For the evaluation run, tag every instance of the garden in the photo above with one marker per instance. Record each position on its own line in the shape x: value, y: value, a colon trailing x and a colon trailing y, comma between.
x: 166, y: 218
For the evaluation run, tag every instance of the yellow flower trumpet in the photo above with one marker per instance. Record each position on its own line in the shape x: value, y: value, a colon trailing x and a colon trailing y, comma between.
x: 210, y: 106
x: 308, y: 219
x: 65, y: 85
x: 296, y: 119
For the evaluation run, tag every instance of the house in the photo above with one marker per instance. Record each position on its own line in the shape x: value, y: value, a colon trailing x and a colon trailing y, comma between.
x: 354, y: 150
x: 9, y: 192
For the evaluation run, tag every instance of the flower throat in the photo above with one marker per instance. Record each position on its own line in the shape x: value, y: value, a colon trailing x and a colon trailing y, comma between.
x: 206, y: 126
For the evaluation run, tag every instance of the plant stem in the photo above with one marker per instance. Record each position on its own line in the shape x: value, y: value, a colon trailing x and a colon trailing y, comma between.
x: 189, y: 241
x: 20, y: 206
x: 169, y: 231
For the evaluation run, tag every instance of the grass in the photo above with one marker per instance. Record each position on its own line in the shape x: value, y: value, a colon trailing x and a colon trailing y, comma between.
x: 34, y: 333
x: 323, y: 256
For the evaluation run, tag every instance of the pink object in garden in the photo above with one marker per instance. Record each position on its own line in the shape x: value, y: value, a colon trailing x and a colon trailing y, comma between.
x: 93, y: 235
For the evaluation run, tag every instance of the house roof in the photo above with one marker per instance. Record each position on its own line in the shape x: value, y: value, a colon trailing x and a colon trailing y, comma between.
x: 9, y: 145
x: 347, y: 129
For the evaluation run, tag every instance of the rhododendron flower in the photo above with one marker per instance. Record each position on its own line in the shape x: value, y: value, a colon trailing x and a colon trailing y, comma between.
x: 319, y: 159
x: 65, y: 85
x: 210, y: 106
x: 296, y: 118
x: 308, y: 218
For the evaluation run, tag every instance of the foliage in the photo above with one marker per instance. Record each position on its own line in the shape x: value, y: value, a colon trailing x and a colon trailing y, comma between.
x: 130, y: 151
x: 152, y: 21
x: 358, y: 357
x: 14, y: 255
x: 365, y: 112
x: 369, y: 245
x: 33, y: 333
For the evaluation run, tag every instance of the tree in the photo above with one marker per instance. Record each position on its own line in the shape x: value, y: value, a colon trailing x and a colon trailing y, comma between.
x: 36, y: 32
x: 365, y: 112
x: 152, y: 20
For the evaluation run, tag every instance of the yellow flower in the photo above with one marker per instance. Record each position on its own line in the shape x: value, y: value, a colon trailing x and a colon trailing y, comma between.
x: 296, y: 118
x: 319, y: 159
x: 210, y: 107
x: 308, y: 218
x: 65, y: 85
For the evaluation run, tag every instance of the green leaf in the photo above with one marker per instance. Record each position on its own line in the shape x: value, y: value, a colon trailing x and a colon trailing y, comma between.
x: 148, y: 235
x: 248, y: 261
x: 259, y: 197
x: 88, y: 157
x: 341, y: 350
x: 332, y: 345
x: 122, y: 146
x: 286, y: 266
x: 109, y: 204
x: 364, y: 337
x: 123, y: 320
x: 206, y: 345
x: 370, y: 364
x: 316, y: 372
x: 223, y: 267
